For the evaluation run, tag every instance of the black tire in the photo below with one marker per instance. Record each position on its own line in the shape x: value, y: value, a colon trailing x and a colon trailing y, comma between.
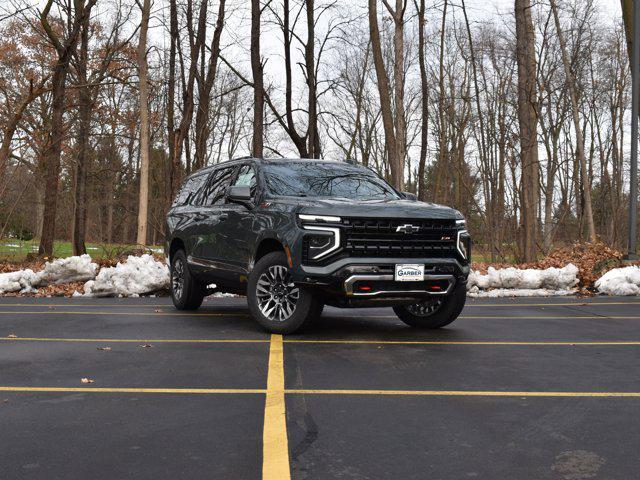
x: 190, y: 296
x: 436, y: 312
x: 269, y: 291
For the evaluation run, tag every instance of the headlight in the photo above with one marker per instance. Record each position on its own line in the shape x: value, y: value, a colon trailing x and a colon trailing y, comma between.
x: 324, y: 241
x: 318, y: 218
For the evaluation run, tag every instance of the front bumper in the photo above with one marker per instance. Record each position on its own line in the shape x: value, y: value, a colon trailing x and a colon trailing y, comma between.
x: 360, y: 281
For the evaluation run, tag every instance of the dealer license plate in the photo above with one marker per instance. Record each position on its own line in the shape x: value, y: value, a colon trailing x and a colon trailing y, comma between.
x: 409, y: 272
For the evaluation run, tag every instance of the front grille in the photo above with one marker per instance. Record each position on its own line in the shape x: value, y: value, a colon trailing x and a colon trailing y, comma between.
x: 380, y: 238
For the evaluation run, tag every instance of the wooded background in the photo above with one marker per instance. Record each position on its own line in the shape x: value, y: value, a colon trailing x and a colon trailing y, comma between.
x: 517, y: 120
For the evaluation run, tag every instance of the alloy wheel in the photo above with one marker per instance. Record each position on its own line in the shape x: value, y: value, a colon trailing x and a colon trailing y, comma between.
x: 277, y: 295
x: 177, y: 279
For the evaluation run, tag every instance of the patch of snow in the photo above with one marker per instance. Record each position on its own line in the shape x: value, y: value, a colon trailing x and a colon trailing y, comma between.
x: 67, y: 270
x: 475, y: 292
x: 552, y: 279
x: 13, y: 281
x: 11, y: 245
x: 620, y: 281
x: 134, y: 277
x: 223, y: 295
x: 63, y: 270
x: 92, y: 248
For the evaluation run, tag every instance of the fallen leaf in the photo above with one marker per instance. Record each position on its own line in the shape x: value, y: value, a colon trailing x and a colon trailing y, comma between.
x: 104, y: 348
x: 87, y: 380
x: 158, y: 310
x: 145, y: 345
x: 12, y: 335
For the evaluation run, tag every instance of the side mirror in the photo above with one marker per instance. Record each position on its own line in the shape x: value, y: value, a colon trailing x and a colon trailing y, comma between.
x: 239, y: 194
x: 410, y: 196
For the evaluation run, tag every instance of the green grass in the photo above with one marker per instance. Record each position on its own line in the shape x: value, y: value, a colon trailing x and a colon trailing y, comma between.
x: 16, y: 250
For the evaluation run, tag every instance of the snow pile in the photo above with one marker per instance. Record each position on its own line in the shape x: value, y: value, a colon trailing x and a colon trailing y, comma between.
x: 136, y: 276
x: 620, y: 281
x: 64, y: 270
x: 67, y: 270
x: 518, y: 292
x: 14, y: 281
x: 508, y: 282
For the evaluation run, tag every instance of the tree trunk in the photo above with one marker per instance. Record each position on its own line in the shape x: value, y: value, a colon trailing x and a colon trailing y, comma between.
x: 202, y: 114
x: 424, y: 92
x: 398, y: 76
x: 53, y: 149
x: 51, y: 156
x: 84, y: 130
x: 575, y: 113
x: 384, y: 90
x: 258, y: 82
x: 528, y: 121
x: 143, y: 198
x: 309, y: 57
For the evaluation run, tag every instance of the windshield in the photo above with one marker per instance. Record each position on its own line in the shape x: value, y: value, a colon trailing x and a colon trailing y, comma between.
x: 315, y: 179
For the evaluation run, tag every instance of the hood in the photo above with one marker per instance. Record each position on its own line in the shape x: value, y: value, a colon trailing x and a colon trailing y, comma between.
x: 401, y: 208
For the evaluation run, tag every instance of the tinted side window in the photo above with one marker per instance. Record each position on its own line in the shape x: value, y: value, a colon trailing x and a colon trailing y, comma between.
x: 247, y: 178
x: 189, y: 190
x: 214, y: 191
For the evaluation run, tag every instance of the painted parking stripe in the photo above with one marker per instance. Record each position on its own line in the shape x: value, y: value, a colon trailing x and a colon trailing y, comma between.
x: 118, y: 313
x: 130, y: 340
x: 468, y: 305
x: 279, y: 450
x: 471, y: 343
x: 321, y: 342
x: 336, y: 317
x: 461, y: 393
x: 209, y: 391
x: 275, y: 444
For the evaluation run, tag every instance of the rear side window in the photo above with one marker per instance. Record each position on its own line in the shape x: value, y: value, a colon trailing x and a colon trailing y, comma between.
x: 215, y: 188
x: 189, y: 190
x: 247, y: 178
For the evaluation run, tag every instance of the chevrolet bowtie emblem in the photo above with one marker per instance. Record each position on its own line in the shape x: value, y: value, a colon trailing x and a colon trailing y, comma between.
x: 407, y: 228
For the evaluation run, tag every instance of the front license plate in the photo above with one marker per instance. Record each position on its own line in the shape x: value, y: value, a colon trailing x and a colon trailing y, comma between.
x: 409, y: 272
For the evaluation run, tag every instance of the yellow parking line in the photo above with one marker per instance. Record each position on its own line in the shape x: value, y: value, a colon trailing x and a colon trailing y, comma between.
x: 559, y: 304
x: 115, y: 314
x: 510, y: 317
x: 461, y: 393
x: 129, y: 340
x: 469, y: 305
x: 320, y: 342
x: 135, y: 390
x: 275, y: 449
x: 417, y: 342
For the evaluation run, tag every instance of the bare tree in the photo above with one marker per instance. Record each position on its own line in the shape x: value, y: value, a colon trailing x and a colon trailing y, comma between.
x: 257, y: 145
x: 51, y: 157
x: 575, y: 113
x: 396, y: 162
x: 143, y: 198
x: 528, y: 120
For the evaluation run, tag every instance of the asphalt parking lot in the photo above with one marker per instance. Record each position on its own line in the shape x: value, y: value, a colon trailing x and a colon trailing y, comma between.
x: 514, y: 389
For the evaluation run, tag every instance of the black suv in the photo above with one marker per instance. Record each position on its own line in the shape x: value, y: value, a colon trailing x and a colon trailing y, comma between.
x: 295, y: 234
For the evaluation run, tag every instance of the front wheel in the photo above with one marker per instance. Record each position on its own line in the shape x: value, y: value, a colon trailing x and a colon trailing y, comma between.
x: 434, y: 312
x: 274, y: 300
x: 186, y: 292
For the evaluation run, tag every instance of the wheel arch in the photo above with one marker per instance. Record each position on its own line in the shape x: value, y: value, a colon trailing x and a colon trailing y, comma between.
x: 176, y: 244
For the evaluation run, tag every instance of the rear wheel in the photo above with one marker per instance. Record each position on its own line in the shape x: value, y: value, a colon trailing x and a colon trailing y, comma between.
x: 186, y: 291
x: 274, y: 300
x: 434, y: 312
